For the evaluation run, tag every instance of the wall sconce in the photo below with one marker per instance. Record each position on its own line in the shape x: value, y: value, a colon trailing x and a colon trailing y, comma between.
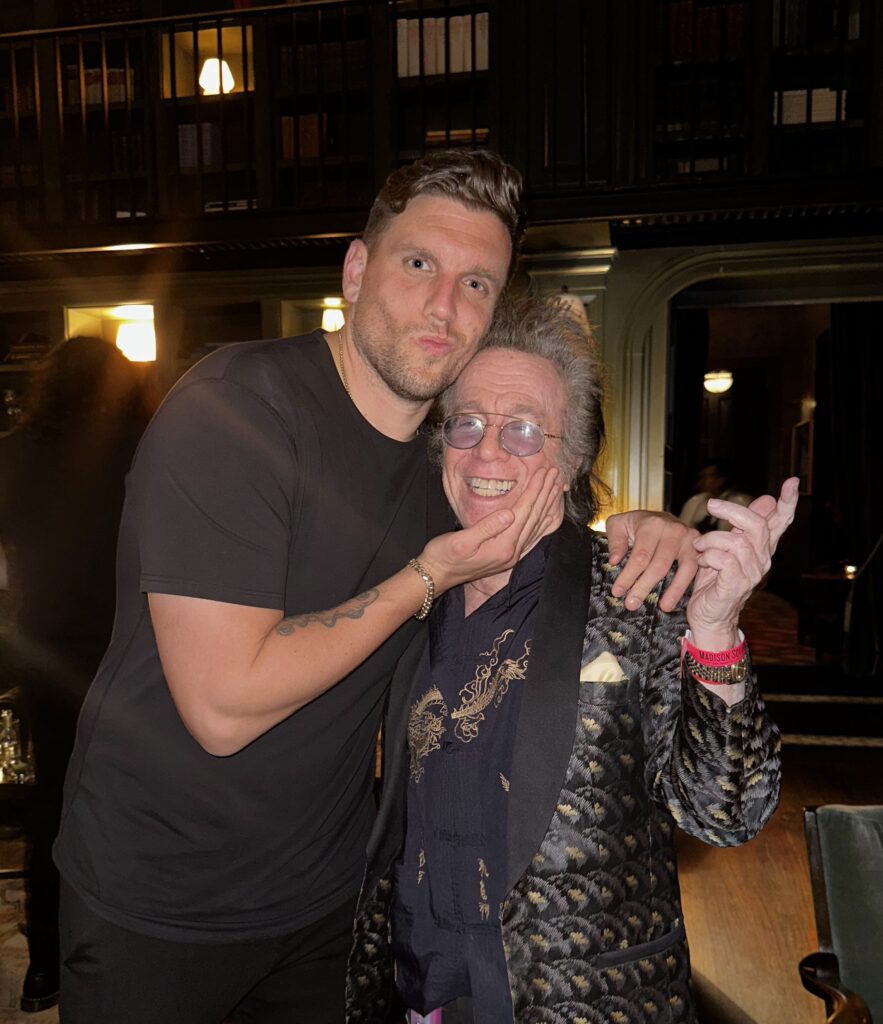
x: 718, y: 381
x: 137, y: 341
x: 215, y: 76
x: 332, y: 314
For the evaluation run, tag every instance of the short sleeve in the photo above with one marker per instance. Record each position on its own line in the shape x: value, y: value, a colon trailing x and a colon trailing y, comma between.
x: 212, y: 490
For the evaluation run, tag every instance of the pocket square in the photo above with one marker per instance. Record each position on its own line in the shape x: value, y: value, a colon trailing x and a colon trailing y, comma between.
x: 604, y: 669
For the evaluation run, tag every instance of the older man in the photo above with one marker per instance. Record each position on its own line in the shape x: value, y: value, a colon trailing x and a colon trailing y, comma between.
x: 553, y: 739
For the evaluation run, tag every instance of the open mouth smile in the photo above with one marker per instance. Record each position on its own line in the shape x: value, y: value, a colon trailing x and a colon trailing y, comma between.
x: 489, y: 488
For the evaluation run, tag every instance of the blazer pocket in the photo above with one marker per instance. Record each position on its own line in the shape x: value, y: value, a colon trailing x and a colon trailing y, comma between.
x: 642, y: 950
x: 603, y: 669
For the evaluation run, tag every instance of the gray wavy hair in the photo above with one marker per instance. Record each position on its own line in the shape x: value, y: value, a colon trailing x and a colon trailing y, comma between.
x: 548, y: 328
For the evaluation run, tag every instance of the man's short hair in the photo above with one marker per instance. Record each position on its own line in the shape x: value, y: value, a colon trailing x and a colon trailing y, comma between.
x: 479, y: 179
x: 549, y: 329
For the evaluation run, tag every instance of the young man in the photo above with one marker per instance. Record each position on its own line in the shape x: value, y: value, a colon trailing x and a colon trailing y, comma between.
x: 219, y: 797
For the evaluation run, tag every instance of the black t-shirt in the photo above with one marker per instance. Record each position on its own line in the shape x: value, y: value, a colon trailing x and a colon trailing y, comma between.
x: 257, y: 483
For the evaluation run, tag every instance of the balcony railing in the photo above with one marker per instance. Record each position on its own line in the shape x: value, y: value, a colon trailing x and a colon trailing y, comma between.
x: 306, y: 108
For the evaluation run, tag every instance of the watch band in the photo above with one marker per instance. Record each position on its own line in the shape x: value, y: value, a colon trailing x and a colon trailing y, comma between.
x: 734, y: 672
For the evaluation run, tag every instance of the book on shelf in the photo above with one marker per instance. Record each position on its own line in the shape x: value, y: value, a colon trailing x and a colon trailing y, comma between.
x: 10, y: 173
x: 703, y: 165
x: 809, y: 106
x: 117, y: 82
x: 482, y: 41
x: 801, y: 23
x: 402, y: 61
x: 309, y: 59
x: 414, y: 46
x: 24, y: 94
x: 312, y: 134
x: 431, y: 30
x: 456, y: 136
x: 436, y: 46
x: 686, y: 29
x: 457, y: 36
x: 190, y: 142
x: 127, y: 152
x: 26, y: 351
x: 231, y: 205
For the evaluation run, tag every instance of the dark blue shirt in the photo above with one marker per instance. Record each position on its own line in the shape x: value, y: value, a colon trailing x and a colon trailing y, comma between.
x: 450, y: 881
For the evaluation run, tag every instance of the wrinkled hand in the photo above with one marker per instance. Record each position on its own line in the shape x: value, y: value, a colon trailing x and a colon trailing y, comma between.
x: 495, y: 543
x: 656, y: 540
x: 732, y: 563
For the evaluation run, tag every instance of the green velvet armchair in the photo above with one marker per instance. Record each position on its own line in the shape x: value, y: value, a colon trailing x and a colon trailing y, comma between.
x: 845, y: 847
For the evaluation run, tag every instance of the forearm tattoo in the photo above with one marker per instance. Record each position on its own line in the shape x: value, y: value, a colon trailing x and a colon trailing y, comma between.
x: 354, y: 609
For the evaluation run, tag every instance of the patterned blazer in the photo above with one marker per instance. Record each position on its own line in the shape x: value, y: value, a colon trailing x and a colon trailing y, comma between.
x: 613, y: 749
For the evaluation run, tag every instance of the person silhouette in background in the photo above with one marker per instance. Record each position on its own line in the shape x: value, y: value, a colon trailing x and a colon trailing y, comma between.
x: 62, y: 474
x: 713, y: 481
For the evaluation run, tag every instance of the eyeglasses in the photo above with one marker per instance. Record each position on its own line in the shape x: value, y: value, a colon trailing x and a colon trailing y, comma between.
x: 517, y: 437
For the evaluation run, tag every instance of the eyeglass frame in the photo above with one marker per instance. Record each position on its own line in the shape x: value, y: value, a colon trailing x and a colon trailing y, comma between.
x: 500, y: 427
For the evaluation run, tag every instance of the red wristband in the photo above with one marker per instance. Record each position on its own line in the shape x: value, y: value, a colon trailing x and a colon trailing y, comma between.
x: 721, y: 658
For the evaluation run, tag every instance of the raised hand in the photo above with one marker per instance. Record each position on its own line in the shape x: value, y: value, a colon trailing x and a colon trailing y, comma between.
x: 652, y: 541
x: 733, y: 562
x: 494, y: 544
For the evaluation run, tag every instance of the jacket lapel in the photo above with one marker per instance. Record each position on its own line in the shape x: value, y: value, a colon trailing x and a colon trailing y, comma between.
x: 546, y: 724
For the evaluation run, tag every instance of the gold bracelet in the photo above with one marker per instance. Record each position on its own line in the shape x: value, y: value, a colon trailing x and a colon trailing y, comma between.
x: 429, y: 583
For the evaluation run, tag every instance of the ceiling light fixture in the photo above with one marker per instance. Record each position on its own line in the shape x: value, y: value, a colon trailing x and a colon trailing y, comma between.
x: 716, y: 382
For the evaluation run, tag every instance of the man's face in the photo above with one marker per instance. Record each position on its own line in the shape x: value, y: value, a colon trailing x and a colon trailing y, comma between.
x: 710, y: 480
x: 425, y: 292
x: 503, y: 385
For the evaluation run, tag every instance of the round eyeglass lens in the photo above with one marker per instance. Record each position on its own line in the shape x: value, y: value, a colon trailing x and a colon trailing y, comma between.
x: 463, y: 431
x: 522, y: 438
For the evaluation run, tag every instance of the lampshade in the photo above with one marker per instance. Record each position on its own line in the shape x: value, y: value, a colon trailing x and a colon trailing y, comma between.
x: 215, y: 75
x: 137, y: 341
x: 716, y: 382
x: 332, y: 320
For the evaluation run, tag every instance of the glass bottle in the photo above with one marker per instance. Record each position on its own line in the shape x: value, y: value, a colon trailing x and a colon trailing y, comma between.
x: 10, y: 745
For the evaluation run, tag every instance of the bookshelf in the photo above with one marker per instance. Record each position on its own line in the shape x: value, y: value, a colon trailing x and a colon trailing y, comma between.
x: 820, y: 72
x: 441, y: 62
x: 322, y: 102
x: 20, y: 153
x: 102, y: 129
x: 24, y: 340
x: 208, y: 117
x: 701, y: 82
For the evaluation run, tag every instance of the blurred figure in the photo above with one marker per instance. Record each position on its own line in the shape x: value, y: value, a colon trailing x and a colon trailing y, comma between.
x: 712, y: 481
x: 62, y: 478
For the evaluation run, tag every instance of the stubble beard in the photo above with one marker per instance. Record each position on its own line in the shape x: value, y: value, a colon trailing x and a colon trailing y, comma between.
x: 389, y: 358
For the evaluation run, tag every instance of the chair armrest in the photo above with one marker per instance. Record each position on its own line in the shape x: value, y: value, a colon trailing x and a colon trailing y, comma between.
x: 820, y: 974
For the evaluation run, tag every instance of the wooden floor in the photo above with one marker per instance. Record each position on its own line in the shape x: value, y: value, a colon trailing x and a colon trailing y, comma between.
x: 748, y: 910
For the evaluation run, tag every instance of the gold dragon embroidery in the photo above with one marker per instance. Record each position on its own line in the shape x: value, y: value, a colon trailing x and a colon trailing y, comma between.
x: 426, y: 726
x: 489, y: 687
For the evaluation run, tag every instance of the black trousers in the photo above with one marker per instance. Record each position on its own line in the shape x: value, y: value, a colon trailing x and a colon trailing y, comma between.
x: 110, y: 974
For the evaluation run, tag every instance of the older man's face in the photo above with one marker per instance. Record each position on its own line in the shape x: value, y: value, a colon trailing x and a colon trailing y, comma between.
x: 503, y: 385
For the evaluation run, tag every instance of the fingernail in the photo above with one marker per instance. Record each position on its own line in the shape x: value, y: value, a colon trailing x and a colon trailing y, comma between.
x: 633, y: 603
